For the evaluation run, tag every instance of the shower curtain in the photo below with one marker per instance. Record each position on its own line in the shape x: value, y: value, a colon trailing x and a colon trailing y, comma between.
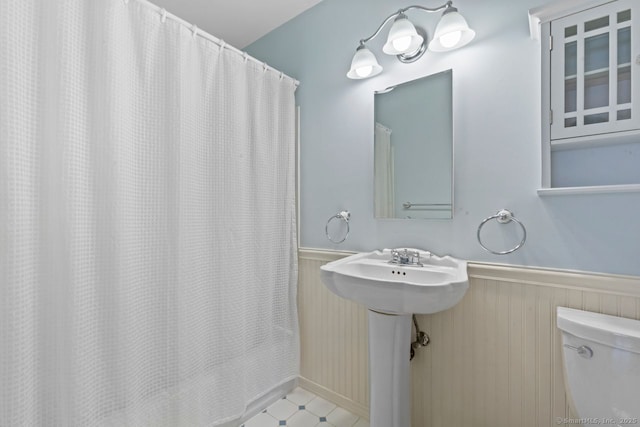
x: 383, y: 171
x: 147, y: 220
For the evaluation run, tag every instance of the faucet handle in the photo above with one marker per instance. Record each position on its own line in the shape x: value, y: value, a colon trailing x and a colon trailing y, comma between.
x: 416, y: 258
x: 404, y: 257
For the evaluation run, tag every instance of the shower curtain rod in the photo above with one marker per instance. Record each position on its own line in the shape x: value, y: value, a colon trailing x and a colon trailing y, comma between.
x: 164, y: 14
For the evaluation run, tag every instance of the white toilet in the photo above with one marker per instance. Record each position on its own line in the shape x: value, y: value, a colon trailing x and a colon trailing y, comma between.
x: 601, y: 356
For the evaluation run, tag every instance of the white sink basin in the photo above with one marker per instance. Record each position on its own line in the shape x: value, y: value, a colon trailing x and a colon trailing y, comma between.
x: 392, y: 293
x: 369, y: 279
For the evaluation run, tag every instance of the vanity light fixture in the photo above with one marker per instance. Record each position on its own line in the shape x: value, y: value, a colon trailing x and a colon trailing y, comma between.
x: 408, y: 44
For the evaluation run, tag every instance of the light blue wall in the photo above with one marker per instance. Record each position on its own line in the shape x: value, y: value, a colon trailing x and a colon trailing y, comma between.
x: 593, y: 166
x: 496, y: 98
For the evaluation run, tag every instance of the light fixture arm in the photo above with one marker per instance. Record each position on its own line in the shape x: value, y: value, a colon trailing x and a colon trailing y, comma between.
x: 401, y: 12
x: 408, y: 42
x: 374, y: 35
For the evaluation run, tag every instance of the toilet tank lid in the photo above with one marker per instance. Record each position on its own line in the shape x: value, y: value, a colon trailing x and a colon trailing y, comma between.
x: 617, y: 332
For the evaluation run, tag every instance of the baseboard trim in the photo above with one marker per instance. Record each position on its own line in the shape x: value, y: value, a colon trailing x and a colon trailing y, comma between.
x: 338, y: 399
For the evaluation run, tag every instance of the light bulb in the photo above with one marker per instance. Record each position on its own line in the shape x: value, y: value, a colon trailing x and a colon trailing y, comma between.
x: 450, y: 39
x: 402, y: 43
x: 364, y: 71
x: 363, y: 64
x: 452, y: 32
x: 403, y: 37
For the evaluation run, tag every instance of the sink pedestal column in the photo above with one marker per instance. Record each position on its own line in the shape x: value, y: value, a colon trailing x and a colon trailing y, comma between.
x: 389, y: 376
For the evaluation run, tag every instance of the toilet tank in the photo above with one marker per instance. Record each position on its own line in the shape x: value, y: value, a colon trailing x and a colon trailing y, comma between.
x: 601, y: 356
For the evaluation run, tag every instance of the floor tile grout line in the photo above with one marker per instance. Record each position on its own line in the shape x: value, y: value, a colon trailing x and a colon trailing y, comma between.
x: 302, y: 407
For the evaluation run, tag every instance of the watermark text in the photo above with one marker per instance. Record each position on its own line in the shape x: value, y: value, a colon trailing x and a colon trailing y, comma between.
x: 597, y: 421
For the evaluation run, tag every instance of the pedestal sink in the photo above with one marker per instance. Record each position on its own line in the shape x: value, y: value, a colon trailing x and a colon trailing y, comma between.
x: 393, y: 292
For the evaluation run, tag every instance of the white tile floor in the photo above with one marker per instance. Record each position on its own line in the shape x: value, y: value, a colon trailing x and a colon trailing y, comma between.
x: 303, y: 409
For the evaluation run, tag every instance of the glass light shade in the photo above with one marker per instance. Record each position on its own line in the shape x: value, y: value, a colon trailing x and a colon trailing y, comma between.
x: 364, y: 64
x: 451, y: 33
x: 403, y: 38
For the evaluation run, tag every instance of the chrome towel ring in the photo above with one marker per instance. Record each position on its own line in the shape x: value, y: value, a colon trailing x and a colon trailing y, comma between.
x: 344, y: 216
x: 503, y: 216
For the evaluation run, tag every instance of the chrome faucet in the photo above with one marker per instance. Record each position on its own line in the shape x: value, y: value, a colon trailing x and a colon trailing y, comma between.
x: 405, y: 258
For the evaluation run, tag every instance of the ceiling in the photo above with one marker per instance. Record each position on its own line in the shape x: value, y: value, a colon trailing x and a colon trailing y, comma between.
x: 237, y: 22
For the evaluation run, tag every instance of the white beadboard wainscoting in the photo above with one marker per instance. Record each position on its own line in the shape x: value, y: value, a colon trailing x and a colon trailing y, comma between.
x: 494, y: 359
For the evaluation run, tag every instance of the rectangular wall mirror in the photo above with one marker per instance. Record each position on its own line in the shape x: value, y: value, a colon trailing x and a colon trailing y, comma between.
x: 413, y: 149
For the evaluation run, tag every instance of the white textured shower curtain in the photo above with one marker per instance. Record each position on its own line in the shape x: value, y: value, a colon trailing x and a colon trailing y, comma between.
x: 147, y: 221
x: 383, y: 171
